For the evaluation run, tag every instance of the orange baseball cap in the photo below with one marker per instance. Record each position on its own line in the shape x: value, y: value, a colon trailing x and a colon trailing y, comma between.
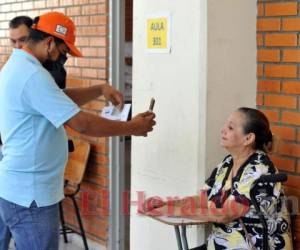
x: 59, y: 25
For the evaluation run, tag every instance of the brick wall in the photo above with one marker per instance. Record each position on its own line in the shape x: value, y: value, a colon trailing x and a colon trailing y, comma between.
x: 278, y: 71
x: 91, y: 19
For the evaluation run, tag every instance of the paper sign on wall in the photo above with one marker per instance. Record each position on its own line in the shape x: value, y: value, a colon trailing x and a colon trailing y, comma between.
x: 158, y: 33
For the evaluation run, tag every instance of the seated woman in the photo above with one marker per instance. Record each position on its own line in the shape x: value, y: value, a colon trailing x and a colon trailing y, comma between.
x: 225, y: 199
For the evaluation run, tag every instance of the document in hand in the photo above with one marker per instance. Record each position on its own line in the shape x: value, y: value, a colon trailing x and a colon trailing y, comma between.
x: 112, y: 113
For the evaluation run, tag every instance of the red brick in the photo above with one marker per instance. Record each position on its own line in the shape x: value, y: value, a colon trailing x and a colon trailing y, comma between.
x: 102, y: 52
x: 293, y: 181
x: 16, y: 6
x: 291, y: 55
x: 73, y: 11
x: 280, y: 39
x: 74, y: 72
x: 40, y: 4
x: 259, y: 99
x: 268, y: 24
x: 52, y: 3
x: 291, y: 87
x: 260, y: 70
x: 66, y: 2
x: 266, y: 55
x: 82, y: 41
x: 82, y: 62
x: 272, y: 115
x: 92, y: 31
x: 98, y: 63
x: 97, y: 179
x: 281, y: 101
x: 81, y: 20
x: 298, y: 167
x: 289, y: 149
x: 289, y: 117
x: 102, y: 74
x: 101, y: 159
x: 105, y: 1
x: 260, y: 39
x: 287, y: 71
x: 284, y: 164
x: 260, y: 9
x: 98, y: 170
x: 94, y: 52
x: 284, y: 133
x: 27, y: 5
x: 80, y: 2
x: 3, y: 50
x: 91, y: 73
x: 6, y: 8
x: 291, y: 24
x: 94, y: 9
x: 101, y: 147
x: 99, y: 20
x: 268, y: 86
x: 281, y: 9
x: 98, y: 41
x: 97, y: 228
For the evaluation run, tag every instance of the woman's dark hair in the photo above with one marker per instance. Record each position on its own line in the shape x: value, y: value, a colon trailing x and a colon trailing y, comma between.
x: 257, y: 123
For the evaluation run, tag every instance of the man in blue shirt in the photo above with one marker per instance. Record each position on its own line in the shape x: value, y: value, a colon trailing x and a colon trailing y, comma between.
x: 33, y: 111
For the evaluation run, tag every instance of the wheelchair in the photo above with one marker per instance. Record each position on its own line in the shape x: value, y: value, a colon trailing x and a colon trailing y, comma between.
x: 263, y: 180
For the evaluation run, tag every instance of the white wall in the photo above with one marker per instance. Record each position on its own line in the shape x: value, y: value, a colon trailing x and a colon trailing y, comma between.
x: 231, y: 77
x: 195, y: 87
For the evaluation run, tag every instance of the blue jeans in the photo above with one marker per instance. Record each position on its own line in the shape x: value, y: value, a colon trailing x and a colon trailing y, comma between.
x: 5, y: 234
x: 33, y: 228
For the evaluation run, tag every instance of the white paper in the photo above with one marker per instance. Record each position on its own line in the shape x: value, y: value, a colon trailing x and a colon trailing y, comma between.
x: 112, y: 113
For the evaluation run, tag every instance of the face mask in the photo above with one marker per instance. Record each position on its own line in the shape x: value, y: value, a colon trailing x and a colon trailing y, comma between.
x: 62, y: 59
x: 56, y: 69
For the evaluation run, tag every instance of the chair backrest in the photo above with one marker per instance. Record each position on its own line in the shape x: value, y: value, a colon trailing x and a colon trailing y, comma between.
x: 77, y: 161
x: 293, y: 202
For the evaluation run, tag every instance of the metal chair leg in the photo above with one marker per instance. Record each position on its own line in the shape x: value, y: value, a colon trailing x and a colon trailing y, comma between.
x: 62, y: 221
x: 183, y: 237
x: 178, y: 237
x: 80, y: 223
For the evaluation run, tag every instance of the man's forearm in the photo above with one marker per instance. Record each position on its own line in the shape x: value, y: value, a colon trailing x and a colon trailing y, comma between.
x: 82, y: 96
x: 93, y: 125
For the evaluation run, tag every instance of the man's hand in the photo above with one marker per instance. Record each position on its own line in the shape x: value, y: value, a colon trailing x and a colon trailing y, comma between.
x: 142, y: 123
x: 113, y: 95
x: 152, y: 206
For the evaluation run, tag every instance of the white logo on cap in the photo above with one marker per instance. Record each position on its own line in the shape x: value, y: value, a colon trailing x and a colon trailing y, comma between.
x: 61, y: 29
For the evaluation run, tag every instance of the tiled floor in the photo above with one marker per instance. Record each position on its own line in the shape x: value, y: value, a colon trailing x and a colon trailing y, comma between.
x: 62, y: 246
x: 69, y: 246
x: 74, y: 243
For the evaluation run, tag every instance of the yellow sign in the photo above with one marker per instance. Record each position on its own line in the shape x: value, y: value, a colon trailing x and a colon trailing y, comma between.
x: 158, y: 33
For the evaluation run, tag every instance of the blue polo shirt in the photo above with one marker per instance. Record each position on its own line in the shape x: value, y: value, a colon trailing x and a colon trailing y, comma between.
x: 35, y: 149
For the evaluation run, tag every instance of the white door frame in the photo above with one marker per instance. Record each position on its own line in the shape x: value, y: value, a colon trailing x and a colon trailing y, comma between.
x: 116, y: 235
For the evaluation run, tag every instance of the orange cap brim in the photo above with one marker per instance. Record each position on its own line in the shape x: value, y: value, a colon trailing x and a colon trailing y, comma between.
x: 73, y: 50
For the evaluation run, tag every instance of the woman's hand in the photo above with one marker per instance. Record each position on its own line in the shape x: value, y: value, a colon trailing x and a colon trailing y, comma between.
x: 152, y: 203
